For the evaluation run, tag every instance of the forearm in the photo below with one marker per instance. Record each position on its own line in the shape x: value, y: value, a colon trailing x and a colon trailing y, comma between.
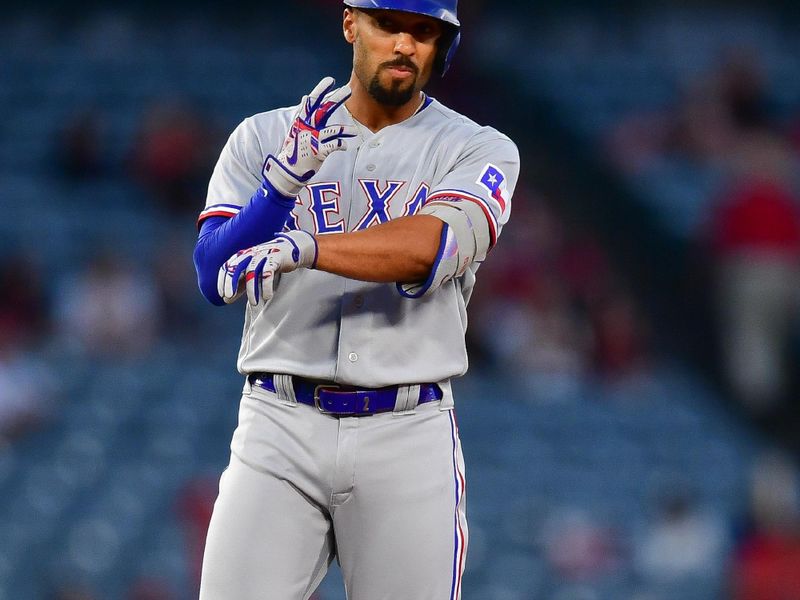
x: 403, y: 250
x: 257, y: 222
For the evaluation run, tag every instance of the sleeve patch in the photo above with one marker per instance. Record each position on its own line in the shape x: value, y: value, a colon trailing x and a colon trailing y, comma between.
x: 494, y: 180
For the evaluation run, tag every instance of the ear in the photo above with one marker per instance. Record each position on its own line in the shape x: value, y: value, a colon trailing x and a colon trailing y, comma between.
x: 349, y: 25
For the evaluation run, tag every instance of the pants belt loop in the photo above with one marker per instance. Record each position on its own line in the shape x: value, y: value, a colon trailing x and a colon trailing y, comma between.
x: 407, y: 399
x: 285, y: 389
x: 447, y: 395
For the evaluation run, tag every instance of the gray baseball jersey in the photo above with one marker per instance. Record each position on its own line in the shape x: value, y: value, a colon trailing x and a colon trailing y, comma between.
x: 385, y: 493
x: 355, y: 332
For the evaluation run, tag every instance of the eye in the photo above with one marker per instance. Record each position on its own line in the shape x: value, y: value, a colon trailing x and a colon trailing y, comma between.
x: 426, y: 31
x: 385, y: 23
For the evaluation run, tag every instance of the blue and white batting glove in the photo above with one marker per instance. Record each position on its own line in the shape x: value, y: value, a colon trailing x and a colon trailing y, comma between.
x: 254, y: 270
x: 310, y: 140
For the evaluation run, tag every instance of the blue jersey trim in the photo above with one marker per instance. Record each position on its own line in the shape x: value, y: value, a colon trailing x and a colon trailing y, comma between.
x: 426, y: 102
x: 429, y: 281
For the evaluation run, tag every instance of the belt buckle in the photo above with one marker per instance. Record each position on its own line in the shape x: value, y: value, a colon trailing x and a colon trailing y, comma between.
x: 317, y: 388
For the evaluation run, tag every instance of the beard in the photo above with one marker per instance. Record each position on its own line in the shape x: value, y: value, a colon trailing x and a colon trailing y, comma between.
x: 391, y: 96
x: 399, y: 92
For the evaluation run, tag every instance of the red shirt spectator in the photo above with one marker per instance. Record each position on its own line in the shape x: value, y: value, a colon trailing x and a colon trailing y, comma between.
x: 759, y: 216
x: 768, y: 568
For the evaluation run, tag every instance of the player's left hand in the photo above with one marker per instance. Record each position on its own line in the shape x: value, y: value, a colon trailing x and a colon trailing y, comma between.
x: 254, y: 270
x: 310, y: 139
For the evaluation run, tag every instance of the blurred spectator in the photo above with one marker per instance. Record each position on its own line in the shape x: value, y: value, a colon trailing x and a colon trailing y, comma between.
x: 682, y: 544
x: 195, y: 504
x: 620, y: 335
x: 578, y: 548
x: 721, y: 108
x: 146, y: 588
x: 766, y: 565
x: 80, y: 152
x: 23, y: 310
x: 725, y: 124
x: 743, y: 88
x: 700, y: 129
x: 71, y: 592
x: 524, y: 313
x: 540, y: 335
x: 177, y: 286
x: 756, y: 238
x: 549, y: 309
x: 173, y: 157
x: 584, y: 265
x: 26, y: 392
x: 715, y: 111
x: 111, y: 309
x: 26, y: 383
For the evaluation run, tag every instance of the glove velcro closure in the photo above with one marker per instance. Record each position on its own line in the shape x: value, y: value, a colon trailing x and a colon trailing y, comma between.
x: 304, y: 248
x: 284, y: 181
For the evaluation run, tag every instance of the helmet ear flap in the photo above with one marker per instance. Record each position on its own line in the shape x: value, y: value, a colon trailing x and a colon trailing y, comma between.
x: 448, y: 44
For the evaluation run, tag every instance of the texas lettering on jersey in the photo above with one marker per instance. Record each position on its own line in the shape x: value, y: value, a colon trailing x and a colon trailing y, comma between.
x: 321, y: 202
x: 436, y: 156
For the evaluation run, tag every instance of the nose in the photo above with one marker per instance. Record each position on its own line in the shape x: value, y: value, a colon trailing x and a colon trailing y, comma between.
x: 405, y: 44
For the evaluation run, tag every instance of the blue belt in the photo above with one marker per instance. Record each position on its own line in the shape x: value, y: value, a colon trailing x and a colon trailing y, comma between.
x: 344, y: 400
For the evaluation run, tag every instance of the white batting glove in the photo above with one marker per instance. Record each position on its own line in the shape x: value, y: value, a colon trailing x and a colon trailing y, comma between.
x: 310, y: 140
x: 254, y: 270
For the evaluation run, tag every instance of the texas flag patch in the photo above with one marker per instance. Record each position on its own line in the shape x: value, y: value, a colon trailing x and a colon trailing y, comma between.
x: 494, y: 180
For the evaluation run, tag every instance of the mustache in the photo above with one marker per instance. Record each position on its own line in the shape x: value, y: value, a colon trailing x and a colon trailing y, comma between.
x: 401, y: 62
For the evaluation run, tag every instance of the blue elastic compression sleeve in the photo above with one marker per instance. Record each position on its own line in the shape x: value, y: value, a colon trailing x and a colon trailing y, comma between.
x: 221, y: 237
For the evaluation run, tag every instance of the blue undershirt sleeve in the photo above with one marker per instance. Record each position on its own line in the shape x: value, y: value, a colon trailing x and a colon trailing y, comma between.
x: 222, y: 237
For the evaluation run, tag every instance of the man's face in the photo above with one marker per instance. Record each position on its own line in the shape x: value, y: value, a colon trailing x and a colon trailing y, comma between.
x: 394, y: 52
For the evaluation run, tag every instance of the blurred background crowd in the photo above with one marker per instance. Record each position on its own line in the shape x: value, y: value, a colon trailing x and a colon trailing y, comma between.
x: 630, y: 421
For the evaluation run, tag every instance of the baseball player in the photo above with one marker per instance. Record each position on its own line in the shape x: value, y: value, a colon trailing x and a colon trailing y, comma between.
x: 352, y: 227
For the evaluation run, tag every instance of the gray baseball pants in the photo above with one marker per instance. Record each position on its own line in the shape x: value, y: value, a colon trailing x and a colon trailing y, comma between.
x: 383, y: 493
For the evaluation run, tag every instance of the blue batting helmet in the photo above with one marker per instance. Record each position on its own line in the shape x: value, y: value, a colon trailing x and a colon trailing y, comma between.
x: 444, y: 10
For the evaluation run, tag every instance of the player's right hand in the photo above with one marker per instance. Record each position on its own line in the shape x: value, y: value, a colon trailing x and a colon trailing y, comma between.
x: 310, y: 140
x: 256, y: 269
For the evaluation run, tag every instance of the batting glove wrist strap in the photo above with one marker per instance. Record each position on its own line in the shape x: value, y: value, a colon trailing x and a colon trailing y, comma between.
x: 304, y: 249
x: 310, y: 139
x: 255, y: 271
x: 269, y: 193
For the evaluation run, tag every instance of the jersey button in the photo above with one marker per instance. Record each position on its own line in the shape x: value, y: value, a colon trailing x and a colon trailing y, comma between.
x: 374, y: 144
x: 370, y: 167
x: 352, y: 357
x: 358, y: 301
